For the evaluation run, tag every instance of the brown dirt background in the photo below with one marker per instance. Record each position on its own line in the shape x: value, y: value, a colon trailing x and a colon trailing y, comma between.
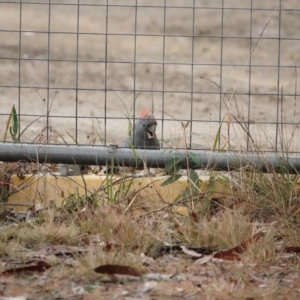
x: 204, y: 108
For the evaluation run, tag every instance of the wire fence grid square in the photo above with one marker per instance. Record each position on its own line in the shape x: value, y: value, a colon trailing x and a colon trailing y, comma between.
x: 78, y: 70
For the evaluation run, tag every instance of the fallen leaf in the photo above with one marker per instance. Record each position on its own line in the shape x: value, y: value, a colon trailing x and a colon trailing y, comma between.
x: 200, y: 250
x: 292, y: 250
x: 190, y: 252
x: 117, y: 270
x: 203, y: 260
x: 40, y: 266
x: 234, y: 253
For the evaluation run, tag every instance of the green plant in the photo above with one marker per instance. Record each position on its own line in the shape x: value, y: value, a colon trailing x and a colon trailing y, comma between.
x: 117, y: 189
x: 75, y: 202
x: 173, y: 168
x: 13, y: 124
x: 3, y: 194
x: 14, y: 128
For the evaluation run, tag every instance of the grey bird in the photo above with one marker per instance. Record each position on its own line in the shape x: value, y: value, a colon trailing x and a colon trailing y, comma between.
x: 143, y: 137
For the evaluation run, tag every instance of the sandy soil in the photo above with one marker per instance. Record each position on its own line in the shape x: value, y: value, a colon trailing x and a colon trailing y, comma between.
x: 186, y: 96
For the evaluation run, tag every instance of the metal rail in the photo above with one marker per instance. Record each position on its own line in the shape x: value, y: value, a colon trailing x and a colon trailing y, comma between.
x: 88, y: 155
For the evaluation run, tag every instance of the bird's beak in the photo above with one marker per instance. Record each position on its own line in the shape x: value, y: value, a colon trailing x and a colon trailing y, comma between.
x: 151, y: 132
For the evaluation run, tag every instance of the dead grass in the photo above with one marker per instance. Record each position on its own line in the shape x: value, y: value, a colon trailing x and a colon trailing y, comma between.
x: 75, y: 243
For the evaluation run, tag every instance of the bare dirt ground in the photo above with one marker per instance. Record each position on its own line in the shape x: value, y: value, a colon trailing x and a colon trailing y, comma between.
x: 178, y: 79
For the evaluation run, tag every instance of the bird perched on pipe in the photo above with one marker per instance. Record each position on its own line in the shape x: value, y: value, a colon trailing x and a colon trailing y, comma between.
x: 144, y: 136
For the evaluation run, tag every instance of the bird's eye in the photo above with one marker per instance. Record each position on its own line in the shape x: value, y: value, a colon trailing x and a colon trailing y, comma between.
x: 144, y: 125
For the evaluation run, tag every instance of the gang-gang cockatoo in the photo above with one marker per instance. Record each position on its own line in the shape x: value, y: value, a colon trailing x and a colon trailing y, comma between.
x: 143, y: 137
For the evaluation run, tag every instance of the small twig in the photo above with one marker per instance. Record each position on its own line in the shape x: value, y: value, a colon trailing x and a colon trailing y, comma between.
x: 16, y: 204
x: 131, y: 202
x: 296, y: 88
x: 181, y: 202
x: 13, y: 219
x: 155, y: 210
x: 28, y: 215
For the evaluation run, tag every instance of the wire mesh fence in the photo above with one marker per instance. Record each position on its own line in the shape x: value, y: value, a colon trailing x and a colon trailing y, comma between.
x: 216, y: 74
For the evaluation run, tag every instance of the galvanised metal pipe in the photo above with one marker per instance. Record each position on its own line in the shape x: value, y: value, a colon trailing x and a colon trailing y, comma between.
x: 92, y: 155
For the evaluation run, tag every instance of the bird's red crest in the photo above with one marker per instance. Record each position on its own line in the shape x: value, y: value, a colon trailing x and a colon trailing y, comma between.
x: 144, y: 112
